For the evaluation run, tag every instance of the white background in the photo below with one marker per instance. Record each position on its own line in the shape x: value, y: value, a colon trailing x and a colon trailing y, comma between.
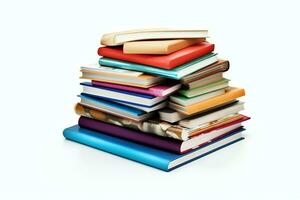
x: 42, y: 46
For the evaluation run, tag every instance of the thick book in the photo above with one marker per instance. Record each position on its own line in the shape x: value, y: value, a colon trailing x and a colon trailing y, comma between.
x: 164, y: 143
x: 218, y: 85
x: 158, y: 46
x: 204, y: 81
x: 161, y: 90
x: 176, y: 73
x: 150, y: 156
x: 231, y: 94
x: 121, y: 95
x: 114, y: 108
x: 119, y: 38
x: 156, y: 126
x: 119, y: 76
x: 169, y: 61
x: 217, y: 67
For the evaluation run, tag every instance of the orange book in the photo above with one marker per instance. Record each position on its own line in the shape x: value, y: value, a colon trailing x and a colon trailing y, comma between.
x: 158, y: 46
x: 230, y: 95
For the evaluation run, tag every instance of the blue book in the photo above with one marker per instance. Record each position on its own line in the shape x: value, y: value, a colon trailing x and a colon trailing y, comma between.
x: 176, y: 73
x: 150, y: 156
x: 125, y: 96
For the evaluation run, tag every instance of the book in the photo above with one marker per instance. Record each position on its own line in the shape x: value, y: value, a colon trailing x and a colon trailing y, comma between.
x: 119, y: 38
x: 204, y: 81
x: 176, y: 73
x: 114, y: 108
x: 120, y: 95
x: 145, y: 108
x: 147, y: 155
x: 231, y: 94
x: 164, y: 143
x: 119, y: 76
x: 160, y: 90
x: 158, y: 46
x: 155, y: 126
x: 217, y: 67
x: 169, y: 61
x: 172, y: 116
x: 221, y: 84
x: 184, y: 101
x: 214, y: 115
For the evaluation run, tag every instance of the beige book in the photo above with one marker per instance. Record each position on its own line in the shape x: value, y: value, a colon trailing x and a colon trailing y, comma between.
x: 119, y: 38
x: 158, y: 46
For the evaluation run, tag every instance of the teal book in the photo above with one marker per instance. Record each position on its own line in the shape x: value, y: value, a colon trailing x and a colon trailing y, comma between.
x: 189, y: 93
x: 176, y: 73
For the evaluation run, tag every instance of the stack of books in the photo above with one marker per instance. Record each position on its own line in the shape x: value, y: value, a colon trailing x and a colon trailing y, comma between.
x: 158, y: 97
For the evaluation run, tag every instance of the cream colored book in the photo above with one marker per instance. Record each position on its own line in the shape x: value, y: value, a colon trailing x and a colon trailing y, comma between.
x: 159, y: 46
x: 119, y: 38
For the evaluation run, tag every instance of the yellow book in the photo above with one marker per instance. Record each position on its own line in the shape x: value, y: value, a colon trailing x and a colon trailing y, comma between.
x: 230, y: 95
x: 158, y: 46
x: 119, y: 38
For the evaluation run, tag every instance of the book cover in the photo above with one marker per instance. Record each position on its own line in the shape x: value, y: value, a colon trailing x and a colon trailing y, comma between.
x: 169, y: 61
x: 176, y: 73
x: 158, y: 90
x: 119, y: 38
x: 231, y: 94
x: 150, y: 156
x: 158, y: 46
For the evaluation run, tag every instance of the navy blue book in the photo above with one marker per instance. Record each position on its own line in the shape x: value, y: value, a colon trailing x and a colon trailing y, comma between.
x: 147, y: 155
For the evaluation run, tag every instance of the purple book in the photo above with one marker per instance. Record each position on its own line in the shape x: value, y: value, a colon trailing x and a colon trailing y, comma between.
x: 164, y: 143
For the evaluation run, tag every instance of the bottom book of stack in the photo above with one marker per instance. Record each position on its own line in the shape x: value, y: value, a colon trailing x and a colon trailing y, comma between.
x: 156, y: 151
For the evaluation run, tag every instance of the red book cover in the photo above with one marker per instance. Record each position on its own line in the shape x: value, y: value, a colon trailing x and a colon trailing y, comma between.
x: 169, y: 61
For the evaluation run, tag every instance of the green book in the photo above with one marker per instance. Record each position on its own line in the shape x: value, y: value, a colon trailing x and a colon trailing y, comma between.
x: 221, y: 84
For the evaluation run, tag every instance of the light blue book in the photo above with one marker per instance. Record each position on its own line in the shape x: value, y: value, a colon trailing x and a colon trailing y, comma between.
x: 150, y: 156
x: 176, y: 73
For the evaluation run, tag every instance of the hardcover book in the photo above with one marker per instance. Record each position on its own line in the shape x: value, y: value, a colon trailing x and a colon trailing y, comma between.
x: 176, y: 73
x: 144, y: 154
x: 158, y: 46
x: 119, y: 38
x: 169, y: 61
x: 161, y: 90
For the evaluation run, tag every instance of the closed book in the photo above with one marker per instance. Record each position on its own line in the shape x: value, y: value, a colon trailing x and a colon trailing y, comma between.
x: 120, y: 95
x: 150, y: 156
x: 119, y: 76
x: 231, y: 94
x: 218, y: 85
x: 158, y: 46
x: 160, y: 90
x: 204, y: 81
x: 114, y: 108
x: 164, y: 143
x: 119, y: 38
x: 217, y: 67
x: 176, y: 73
x: 169, y: 61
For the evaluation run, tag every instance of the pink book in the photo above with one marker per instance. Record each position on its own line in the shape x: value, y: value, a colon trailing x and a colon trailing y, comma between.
x: 158, y: 90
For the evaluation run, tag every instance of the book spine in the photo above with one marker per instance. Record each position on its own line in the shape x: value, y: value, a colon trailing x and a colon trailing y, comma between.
x: 132, y: 135
x: 118, y: 147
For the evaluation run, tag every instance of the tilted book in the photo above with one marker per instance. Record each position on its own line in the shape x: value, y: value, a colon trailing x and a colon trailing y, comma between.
x: 150, y: 156
x: 169, y: 61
